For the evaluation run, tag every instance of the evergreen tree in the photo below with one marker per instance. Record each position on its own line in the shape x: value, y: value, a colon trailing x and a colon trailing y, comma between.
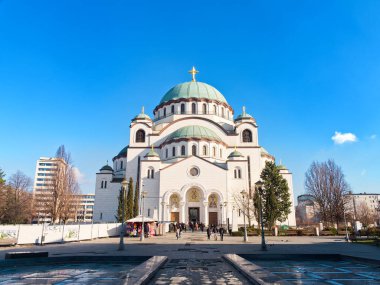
x: 119, y: 211
x: 129, y: 204
x: 136, y: 200
x: 275, y: 195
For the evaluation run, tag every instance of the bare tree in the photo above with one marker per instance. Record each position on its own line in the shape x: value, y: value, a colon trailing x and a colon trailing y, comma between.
x: 365, y: 215
x: 61, y: 203
x: 326, y: 182
x: 245, y: 206
x: 17, y: 199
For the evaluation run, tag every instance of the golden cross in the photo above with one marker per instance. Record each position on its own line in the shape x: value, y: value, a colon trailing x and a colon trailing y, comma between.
x: 193, y: 72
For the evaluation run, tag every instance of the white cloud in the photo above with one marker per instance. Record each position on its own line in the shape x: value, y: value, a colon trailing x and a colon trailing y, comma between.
x: 79, y: 175
x: 341, y: 138
x: 372, y: 137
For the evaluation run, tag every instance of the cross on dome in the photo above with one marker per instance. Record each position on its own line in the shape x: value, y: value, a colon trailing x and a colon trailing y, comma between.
x: 193, y: 72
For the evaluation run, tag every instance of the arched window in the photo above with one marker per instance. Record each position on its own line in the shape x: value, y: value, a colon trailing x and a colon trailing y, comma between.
x: 101, y: 184
x: 193, y: 108
x: 237, y: 173
x: 214, y: 151
x: 172, y: 109
x: 166, y: 153
x: 221, y: 153
x: 204, y: 150
x: 150, y: 173
x: 121, y: 164
x: 222, y: 112
x: 183, y: 150
x: 105, y: 184
x: 182, y: 108
x: 204, y: 108
x: 164, y: 112
x: 173, y: 151
x: 194, y: 150
x: 247, y: 136
x: 215, y: 109
x: 140, y: 136
x: 149, y: 212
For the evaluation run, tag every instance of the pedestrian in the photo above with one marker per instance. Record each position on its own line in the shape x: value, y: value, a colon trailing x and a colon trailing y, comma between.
x: 221, y: 232
x: 208, y: 233
x: 177, y: 233
x: 215, y: 230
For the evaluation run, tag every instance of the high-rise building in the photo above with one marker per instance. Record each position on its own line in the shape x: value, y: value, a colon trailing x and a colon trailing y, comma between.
x: 46, y: 172
x: 84, y: 207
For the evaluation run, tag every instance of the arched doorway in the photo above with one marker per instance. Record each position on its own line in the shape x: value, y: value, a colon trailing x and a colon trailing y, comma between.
x: 213, y: 202
x: 195, y: 207
x: 174, y: 208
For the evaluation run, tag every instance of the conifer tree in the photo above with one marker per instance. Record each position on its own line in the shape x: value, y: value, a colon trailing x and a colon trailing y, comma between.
x: 129, y: 204
x: 275, y: 195
x: 119, y: 211
x: 136, y: 200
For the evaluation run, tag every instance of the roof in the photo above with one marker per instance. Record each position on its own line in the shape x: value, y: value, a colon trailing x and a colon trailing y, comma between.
x: 106, y: 167
x: 123, y: 151
x: 152, y: 153
x: 193, y: 90
x: 282, y: 167
x: 235, y: 153
x: 195, y: 132
x: 244, y: 115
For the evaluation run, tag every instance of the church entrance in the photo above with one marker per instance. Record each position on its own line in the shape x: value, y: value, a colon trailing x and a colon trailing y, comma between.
x: 213, y: 218
x: 194, y: 214
x: 174, y: 217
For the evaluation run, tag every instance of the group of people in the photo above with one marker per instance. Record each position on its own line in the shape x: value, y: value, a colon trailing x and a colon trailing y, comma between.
x: 213, y: 230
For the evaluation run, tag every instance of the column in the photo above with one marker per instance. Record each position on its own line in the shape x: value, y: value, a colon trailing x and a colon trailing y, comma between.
x: 205, y: 204
x: 182, y: 217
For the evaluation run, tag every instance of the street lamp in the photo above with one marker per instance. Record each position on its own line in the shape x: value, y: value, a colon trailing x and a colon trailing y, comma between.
x: 345, y: 222
x: 221, y: 215
x: 259, y: 187
x: 124, y: 184
x: 143, y: 194
x: 244, y: 194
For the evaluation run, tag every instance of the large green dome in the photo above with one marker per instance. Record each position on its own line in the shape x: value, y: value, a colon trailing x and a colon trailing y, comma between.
x: 194, y: 132
x: 193, y: 89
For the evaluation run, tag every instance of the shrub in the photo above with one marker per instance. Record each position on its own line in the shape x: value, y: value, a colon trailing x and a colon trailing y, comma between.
x: 238, y: 234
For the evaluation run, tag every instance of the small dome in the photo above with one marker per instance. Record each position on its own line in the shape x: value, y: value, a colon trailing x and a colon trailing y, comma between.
x: 193, y: 89
x: 106, y: 167
x: 123, y: 152
x: 244, y: 115
x: 152, y: 153
x: 282, y: 167
x: 194, y: 132
x: 142, y: 116
x: 235, y: 153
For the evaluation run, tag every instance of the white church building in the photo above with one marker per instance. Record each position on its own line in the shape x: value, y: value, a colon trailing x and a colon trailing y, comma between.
x: 193, y: 158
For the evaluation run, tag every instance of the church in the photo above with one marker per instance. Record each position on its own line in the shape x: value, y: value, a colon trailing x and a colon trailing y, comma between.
x: 192, y: 160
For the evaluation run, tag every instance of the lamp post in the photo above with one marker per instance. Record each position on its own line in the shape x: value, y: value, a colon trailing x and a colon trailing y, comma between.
x: 345, y: 223
x: 124, y: 184
x: 232, y: 222
x: 244, y: 194
x: 226, y: 215
x: 221, y: 215
x: 259, y: 187
x: 143, y: 194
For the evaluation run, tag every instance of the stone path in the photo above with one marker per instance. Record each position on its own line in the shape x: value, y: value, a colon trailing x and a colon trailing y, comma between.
x: 196, y: 266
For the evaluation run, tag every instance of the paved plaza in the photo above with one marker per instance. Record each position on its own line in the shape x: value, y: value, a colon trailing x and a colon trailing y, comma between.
x: 193, y: 259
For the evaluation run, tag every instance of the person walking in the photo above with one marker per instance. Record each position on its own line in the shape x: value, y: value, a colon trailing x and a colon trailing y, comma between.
x: 177, y: 233
x: 208, y: 233
x: 215, y: 230
x: 221, y: 232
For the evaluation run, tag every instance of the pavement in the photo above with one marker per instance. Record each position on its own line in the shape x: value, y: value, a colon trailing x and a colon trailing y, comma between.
x: 194, y: 259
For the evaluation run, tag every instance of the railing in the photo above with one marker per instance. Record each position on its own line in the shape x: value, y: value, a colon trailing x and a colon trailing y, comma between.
x: 189, y: 113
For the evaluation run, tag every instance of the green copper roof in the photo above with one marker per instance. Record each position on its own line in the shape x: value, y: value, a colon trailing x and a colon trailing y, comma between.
x: 282, y: 167
x: 151, y: 153
x: 106, y: 167
x: 235, y: 154
x: 197, y: 132
x: 193, y: 90
x: 123, y: 151
x: 244, y: 115
x: 142, y: 116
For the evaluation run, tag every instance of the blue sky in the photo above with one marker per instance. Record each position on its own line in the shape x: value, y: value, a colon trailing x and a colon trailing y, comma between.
x: 76, y: 72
